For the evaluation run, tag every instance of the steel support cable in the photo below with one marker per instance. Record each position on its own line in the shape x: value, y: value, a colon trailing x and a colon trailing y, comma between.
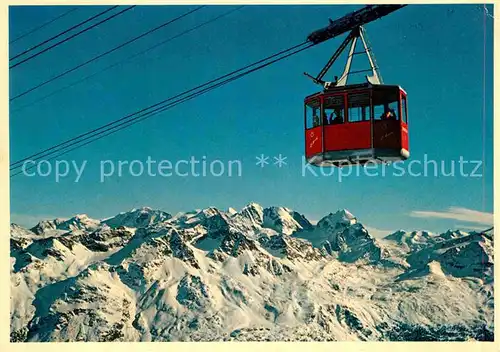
x: 62, y: 145
x: 62, y: 33
x: 159, y: 103
x: 95, y: 58
x: 158, y: 109
x: 69, y: 38
x: 130, y: 58
x: 196, y: 94
x: 44, y: 25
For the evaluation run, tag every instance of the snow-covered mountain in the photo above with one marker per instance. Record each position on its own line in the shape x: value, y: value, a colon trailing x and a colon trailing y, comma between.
x: 137, y: 218
x: 257, y: 274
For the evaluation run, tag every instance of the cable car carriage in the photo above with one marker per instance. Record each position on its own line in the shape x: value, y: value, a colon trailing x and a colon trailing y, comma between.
x: 355, y: 123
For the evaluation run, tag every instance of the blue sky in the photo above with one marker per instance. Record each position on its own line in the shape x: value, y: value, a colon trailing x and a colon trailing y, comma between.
x: 437, y: 53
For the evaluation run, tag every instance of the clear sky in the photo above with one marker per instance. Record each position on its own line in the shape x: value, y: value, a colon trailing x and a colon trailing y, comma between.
x: 442, y: 55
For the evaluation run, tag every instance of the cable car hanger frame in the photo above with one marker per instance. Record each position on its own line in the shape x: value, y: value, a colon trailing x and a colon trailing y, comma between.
x: 353, y: 37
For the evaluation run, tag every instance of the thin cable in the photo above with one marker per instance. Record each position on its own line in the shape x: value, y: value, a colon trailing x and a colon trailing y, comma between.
x: 95, y: 58
x: 159, y: 103
x: 158, y: 110
x: 43, y: 25
x: 159, y: 107
x: 130, y: 58
x: 194, y: 95
x: 39, y: 155
x: 62, y: 33
x: 73, y: 36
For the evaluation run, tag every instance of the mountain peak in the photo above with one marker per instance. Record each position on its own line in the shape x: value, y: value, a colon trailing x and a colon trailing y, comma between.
x: 340, y: 217
x: 344, y: 215
x: 253, y: 206
x: 137, y: 217
x: 284, y: 220
x: 254, y: 212
x: 139, y: 210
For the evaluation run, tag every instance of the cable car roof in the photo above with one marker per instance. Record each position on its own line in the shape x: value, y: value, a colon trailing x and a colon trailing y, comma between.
x: 354, y: 87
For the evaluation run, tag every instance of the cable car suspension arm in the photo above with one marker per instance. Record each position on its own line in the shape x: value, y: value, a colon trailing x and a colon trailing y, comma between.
x: 319, y: 78
x: 374, y: 79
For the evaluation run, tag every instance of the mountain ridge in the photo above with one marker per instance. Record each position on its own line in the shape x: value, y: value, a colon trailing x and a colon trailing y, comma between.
x: 254, y: 274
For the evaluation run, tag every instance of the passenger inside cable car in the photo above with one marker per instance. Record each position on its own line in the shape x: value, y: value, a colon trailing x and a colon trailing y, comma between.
x: 338, y: 117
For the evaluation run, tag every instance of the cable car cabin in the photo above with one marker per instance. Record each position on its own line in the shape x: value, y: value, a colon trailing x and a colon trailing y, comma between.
x: 356, y: 124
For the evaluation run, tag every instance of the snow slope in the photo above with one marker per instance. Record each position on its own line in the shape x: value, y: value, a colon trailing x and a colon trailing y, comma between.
x: 258, y: 274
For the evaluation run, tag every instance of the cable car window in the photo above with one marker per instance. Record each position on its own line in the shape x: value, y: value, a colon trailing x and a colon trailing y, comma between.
x: 403, y: 110
x: 359, y: 107
x: 313, y: 113
x: 334, y: 110
x: 385, y: 105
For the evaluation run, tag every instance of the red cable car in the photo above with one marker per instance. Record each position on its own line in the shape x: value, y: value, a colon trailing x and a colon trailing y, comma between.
x: 356, y: 123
